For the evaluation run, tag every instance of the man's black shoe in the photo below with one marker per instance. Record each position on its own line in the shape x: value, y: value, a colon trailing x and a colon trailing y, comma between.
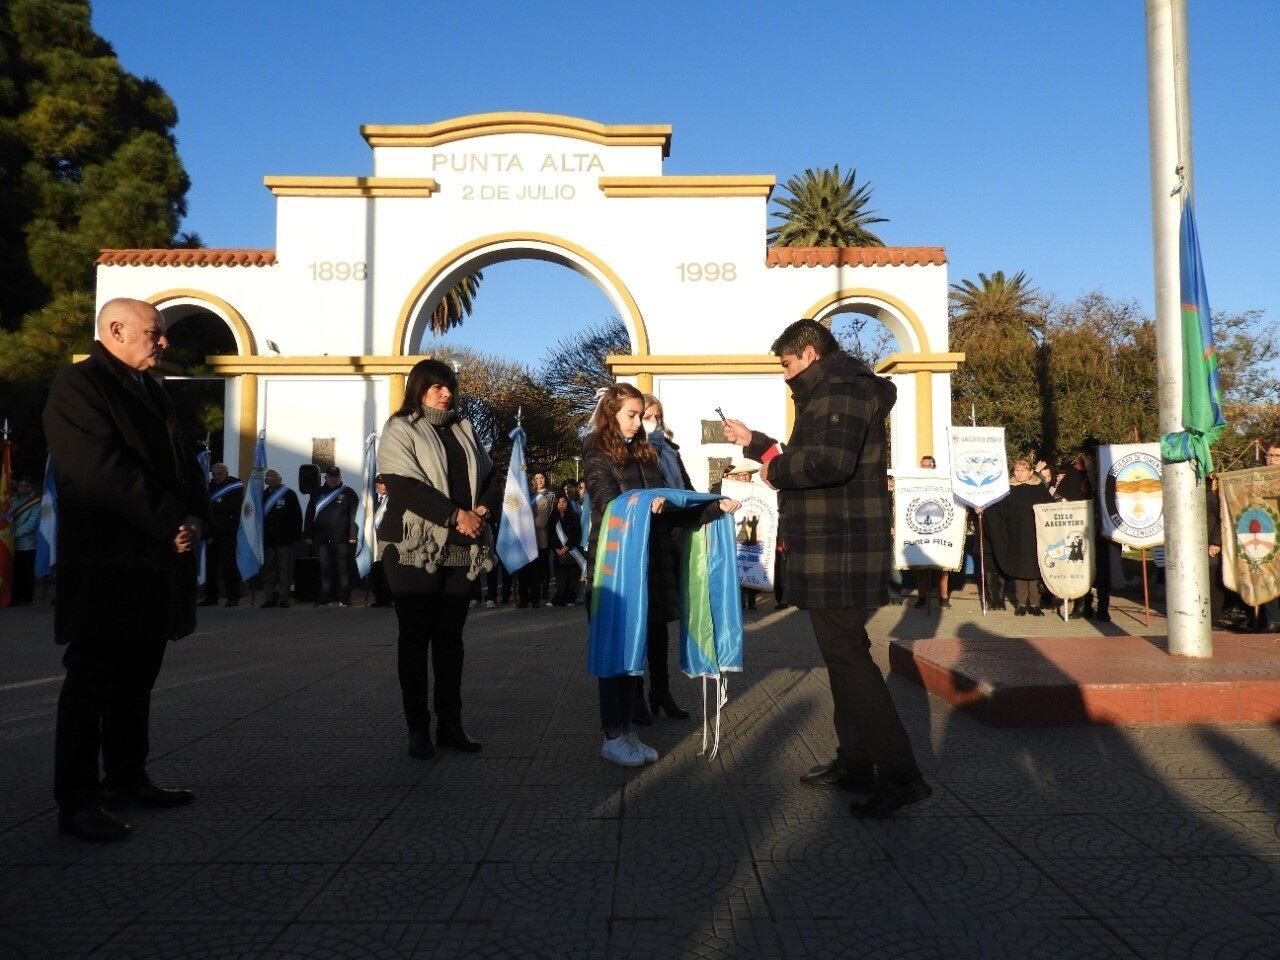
x: 946, y: 603
x: 889, y: 797
x: 1035, y: 611
x: 1019, y: 611
x: 207, y: 603
x: 420, y: 747
x: 452, y: 735
x: 1102, y: 616
x: 147, y: 794
x: 840, y: 776
x: 93, y: 824
x: 921, y: 601
x: 270, y: 603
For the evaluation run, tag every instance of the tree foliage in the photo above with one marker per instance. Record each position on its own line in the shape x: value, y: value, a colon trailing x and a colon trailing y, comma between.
x: 575, y: 368
x: 824, y: 209
x: 456, y: 305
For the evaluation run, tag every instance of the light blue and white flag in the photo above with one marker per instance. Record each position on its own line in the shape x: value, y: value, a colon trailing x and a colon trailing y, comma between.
x: 47, y: 532
x: 249, y: 548
x: 202, y: 460
x: 517, y: 538
x: 367, y: 544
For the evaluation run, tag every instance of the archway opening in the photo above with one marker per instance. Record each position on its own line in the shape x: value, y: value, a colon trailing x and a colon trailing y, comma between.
x: 534, y: 342
x: 199, y: 395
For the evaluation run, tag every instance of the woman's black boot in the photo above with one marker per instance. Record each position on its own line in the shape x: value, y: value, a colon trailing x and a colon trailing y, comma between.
x: 640, y: 710
x: 662, y: 703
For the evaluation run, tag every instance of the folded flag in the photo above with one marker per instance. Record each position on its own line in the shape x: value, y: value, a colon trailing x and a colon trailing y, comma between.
x: 367, y: 545
x: 47, y: 534
x: 517, y: 537
x: 249, y: 546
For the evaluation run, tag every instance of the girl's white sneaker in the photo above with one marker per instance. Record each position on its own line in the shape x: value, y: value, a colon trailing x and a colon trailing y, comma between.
x: 639, y: 746
x: 619, y: 750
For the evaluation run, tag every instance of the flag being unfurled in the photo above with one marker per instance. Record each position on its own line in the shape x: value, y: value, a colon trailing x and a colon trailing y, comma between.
x: 368, y: 534
x: 249, y: 547
x: 517, y: 538
x: 1202, y: 419
x: 47, y: 532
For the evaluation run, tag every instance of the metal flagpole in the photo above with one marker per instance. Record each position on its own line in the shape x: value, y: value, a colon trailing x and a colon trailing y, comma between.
x: 1146, y: 595
x: 1169, y: 115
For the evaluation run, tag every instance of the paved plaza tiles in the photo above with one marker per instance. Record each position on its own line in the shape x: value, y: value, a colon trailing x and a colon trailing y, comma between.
x: 314, y: 835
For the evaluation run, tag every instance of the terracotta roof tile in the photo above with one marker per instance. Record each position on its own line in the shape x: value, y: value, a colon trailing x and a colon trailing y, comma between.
x: 187, y: 258
x: 855, y: 256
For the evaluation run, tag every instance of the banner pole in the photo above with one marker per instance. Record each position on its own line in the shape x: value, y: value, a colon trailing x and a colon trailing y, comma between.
x: 982, y: 569
x: 1146, y: 596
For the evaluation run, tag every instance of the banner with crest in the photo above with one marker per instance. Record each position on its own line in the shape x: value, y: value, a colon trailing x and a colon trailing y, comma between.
x: 1130, y: 498
x: 756, y: 531
x: 1250, y: 518
x: 928, y: 524
x: 1064, y: 547
x: 979, y: 466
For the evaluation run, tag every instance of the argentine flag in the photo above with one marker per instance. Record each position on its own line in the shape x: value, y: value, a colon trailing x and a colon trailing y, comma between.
x: 367, y: 543
x: 249, y: 551
x: 202, y: 460
x: 517, y: 539
x: 47, y: 532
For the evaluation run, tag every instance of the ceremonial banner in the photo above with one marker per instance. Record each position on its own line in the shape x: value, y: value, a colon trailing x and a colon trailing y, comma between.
x: 1250, y: 518
x: 756, y: 531
x: 928, y: 524
x: 979, y: 466
x: 1131, y: 502
x: 1064, y: 547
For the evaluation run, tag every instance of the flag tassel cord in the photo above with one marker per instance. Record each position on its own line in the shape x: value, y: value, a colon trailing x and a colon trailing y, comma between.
x: 721, y: 690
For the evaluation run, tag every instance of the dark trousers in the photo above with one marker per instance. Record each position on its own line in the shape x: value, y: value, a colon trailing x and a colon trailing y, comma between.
x: 533, y: 579
x: 220, y: 565
x: 568, y: 576
x: 1102, y: 574
x: 430, y: 624
x: 378, y: 584
x: 1026, y: 593
x: 104, y: 707
x: 779, y: 574
x: 335, y: 570
x: 657, y: 650
x: 617, y: 695
x: 277, y: 572
x: 24, y: 576
x: 508, y: 583
x: 867, y: 723
x: 543, y: 568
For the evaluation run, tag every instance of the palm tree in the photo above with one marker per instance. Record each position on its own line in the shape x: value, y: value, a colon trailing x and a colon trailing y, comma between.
x: 824, y: 210
x: 457, y: 303
x: 997, y: 301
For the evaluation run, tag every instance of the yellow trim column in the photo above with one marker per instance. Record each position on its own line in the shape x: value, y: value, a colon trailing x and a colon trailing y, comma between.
x: 248, y: 422
x: 395, y: 383
x: 924, y: 414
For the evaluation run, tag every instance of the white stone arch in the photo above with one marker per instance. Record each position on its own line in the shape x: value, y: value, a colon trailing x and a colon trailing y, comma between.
x: 501, y: 248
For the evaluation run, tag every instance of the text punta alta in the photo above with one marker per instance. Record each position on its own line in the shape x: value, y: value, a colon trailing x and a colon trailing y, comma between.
x: 512, y: 163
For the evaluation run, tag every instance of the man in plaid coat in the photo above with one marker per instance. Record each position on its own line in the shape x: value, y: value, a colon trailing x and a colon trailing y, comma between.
x: 834, y: 519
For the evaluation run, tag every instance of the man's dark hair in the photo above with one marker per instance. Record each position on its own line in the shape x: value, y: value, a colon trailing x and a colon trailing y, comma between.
x: 804, y: 333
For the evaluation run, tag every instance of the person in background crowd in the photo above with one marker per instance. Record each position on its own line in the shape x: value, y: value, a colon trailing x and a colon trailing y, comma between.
x: 132, y: 506
x: 1081, y: 483
x: 377, y: 575
x: 24, y: 512
x: 534, y: 579
x: 1011, y: 525
x: 566, y: 531
x: 617, y: 457
x: 742, y: 475
x: 1268, y: 618
x: 331, y: 525
x: 436, y: 544
x: 1213, y: 520
x: 570, y: 491
x: 226, y: 495
x: 934, y: 582
x: 835, y: 518
x: 281, y: 531
x: 670, y: 463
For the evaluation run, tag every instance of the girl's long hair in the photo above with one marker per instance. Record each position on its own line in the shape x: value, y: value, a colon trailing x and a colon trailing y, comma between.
x: 604, y: 435
x: 425, y: 375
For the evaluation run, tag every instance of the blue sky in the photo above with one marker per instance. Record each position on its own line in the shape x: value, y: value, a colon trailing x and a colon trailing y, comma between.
x: 1013, y: 133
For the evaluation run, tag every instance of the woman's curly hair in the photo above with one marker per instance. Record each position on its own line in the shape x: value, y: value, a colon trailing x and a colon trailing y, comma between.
x: 604, y: 435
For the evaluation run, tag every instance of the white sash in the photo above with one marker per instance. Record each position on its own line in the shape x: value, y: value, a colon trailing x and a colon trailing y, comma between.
x: 381, y: 511
x: 327, y: 500
x: 573, y: 551
x: 223, y: 491
x: 272, y: 500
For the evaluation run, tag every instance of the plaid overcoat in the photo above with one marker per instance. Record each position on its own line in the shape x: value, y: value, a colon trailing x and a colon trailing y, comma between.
x: 835, y: 513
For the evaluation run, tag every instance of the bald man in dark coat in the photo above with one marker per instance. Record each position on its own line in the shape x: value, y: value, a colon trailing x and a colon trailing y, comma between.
x: 131, y: 507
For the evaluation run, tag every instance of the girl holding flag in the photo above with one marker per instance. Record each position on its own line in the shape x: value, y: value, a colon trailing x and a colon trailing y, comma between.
x: 618, y: 458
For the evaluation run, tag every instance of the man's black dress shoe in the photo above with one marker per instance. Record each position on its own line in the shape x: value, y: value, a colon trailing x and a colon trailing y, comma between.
x: 232, y: 603
x: 1035, y: 611
x: 889, y: 797
x: 1019, y: 611
x: 270, y: 603
x: 207, y: 603
x: 452, y: 735
x: 640, y: 713
x: 420, y: 747
x: 147, y: 794
x: 665, y: 704
x: 840, y: 776
x: 93, y: 824
x: 1102, y: 616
